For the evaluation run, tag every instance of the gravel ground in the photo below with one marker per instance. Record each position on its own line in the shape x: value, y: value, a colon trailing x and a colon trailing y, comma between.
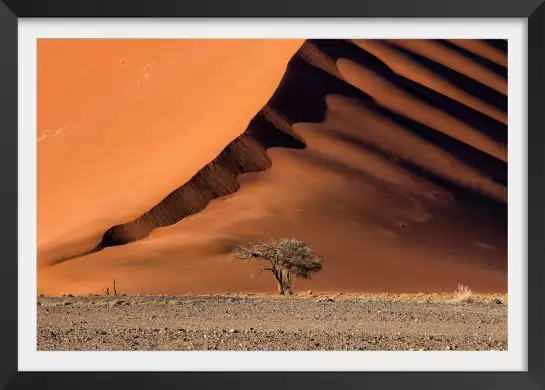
x: 266, y: 323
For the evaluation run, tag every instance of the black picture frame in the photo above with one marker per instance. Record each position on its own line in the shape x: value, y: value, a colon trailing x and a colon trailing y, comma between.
x: 531, y: 10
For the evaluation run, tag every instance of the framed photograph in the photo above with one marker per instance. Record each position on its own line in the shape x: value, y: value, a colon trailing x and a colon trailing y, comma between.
x: 325, y: 194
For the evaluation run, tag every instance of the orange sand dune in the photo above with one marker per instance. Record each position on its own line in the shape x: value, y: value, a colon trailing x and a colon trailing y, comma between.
x: 402, y: 65
x: 397, y: 193
x: 482, y: 49
x: 449, y: 58
x: 116, y: 158
x: 391, y: 97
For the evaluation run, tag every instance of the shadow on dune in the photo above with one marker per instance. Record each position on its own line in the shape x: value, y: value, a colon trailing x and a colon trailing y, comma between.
x: 461, y: 193
x: 300, y: 95
x: 500, y: 44
x: 488, y: 126
x: 491, y: 65
x: 475, y: 158
x: 468, y: 84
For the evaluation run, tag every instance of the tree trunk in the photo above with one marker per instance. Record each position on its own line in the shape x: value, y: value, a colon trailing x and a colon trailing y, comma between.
x: 278, y: 277
x: 288, y: 283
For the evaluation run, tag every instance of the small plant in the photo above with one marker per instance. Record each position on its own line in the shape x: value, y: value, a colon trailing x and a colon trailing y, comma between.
x: 463, y: 294
x: 285, y: 258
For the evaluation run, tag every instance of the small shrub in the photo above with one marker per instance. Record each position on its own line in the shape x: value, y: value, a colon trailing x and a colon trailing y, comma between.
x: 285, y: 258
x: 463, y: 294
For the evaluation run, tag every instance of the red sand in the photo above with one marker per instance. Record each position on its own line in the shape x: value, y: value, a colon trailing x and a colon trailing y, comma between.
x: 379, y: 226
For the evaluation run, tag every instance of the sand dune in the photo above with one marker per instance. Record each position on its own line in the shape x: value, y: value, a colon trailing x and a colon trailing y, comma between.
x: 482, y: 49
x: 391, y: 170
x: 403, y: 66
x: 135, y: 141
x: 453, y: 60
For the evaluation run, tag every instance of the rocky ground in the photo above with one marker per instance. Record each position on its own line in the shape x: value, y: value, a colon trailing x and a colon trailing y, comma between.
x: 269, y: 323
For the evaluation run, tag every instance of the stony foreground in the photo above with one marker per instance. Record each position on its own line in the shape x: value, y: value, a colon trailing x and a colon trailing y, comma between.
x: 268, y: 323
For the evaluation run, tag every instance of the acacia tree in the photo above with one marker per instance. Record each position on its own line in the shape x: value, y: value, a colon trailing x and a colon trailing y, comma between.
x: 286, y: 258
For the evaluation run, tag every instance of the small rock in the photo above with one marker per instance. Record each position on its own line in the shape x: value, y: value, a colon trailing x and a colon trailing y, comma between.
x: 447, y: 348
x: 233, y: 331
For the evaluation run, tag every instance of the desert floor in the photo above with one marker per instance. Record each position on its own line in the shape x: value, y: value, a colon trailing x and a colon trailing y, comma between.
x: 268, y: 322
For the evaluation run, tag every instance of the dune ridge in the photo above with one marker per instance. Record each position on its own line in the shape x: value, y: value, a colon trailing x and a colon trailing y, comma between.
x: 247, y: 153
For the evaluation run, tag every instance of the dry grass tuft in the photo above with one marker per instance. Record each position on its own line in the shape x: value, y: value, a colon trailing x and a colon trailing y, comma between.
x: 463, y: 294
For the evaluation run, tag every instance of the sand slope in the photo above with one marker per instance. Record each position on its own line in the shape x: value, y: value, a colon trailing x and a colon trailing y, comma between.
x: 389, y: 163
